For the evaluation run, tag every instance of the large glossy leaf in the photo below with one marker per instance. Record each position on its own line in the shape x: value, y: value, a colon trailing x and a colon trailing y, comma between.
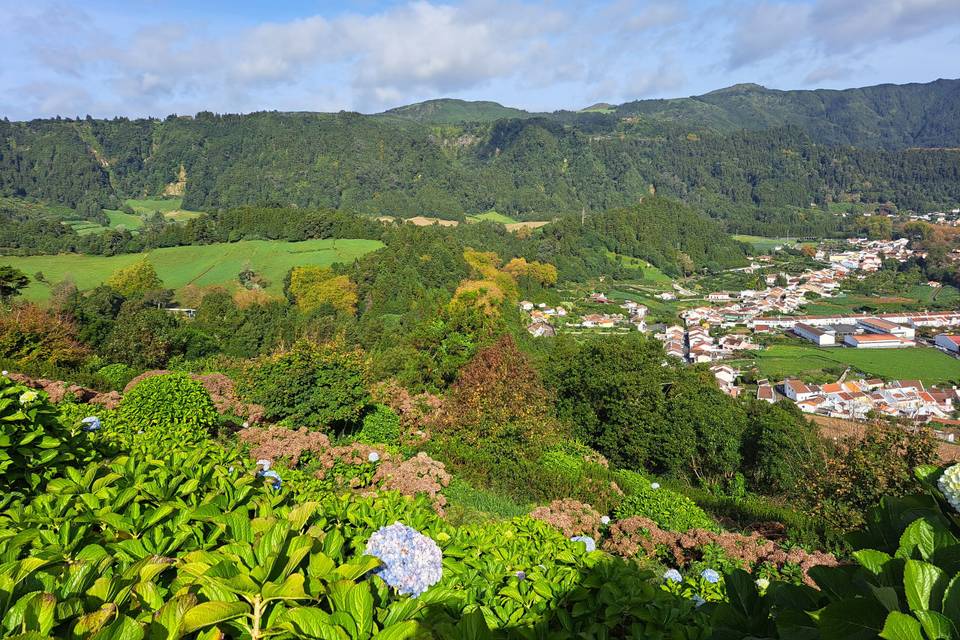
x: 923, y: 583
x: 208, y: 613
x: 936, y: 625
x: 900, y: 626
x: 851, y: 619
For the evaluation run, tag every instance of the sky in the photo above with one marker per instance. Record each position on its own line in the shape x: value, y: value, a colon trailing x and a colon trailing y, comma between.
x: 158, y: 57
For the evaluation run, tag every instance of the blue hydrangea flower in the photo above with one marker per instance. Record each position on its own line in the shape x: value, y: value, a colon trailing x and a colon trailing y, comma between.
x: 521, y: 575
x: 264, y: 465
x: 654, y: 485
x: 710, y: 576
x: 90, y: 423
x: 411, y: 562
x: 605, y: 520
x: 277, y: 482
x: 373, y: 456
x: 698, y: 601
x: 672, y: 575
x: 587, y: 542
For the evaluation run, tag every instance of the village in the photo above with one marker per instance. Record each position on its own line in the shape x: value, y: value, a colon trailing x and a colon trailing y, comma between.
x: 733, y: 323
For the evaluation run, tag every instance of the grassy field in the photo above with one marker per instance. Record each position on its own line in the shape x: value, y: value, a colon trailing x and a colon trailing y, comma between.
x: 200, y: 265
x: 491, y: 216
x: 920, y: 297
x: 650, y: 272
x: 929, y: 365
x: 765, y: 244
x: 169, y: 207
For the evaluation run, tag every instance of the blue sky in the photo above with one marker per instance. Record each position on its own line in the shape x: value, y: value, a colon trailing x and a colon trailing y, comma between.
x: 152, y: 57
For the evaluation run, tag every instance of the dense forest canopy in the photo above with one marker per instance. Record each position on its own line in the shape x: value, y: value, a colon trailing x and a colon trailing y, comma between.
x: 736, y: 166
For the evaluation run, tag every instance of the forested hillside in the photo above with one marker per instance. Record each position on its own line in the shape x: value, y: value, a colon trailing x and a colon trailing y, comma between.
x: 531, y: 167
x: 887, y: 115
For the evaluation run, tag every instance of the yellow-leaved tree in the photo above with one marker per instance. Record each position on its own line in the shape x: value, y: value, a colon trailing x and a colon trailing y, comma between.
x: 136, y: 279
x: 312, y: 287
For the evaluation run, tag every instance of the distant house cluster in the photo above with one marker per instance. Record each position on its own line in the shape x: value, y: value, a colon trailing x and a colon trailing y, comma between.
x: 540, y: 315
x: 856, y: 398
x: 868, y: 255
x: 696, y: 345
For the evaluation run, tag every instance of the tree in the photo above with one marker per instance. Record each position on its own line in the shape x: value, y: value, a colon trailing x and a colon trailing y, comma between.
x: 30, y: 335
x: 136, y: 280
x: 312, y: 287
x: 12, y: 282
x: 779, y: 443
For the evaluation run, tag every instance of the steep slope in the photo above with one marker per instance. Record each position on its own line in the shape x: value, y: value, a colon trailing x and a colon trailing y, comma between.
x: 888, y: 115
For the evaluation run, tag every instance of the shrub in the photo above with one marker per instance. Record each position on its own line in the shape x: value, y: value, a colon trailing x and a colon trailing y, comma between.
x: 571, y: 517
x: 169, y: 406
x: 633, y: 535
x: 669, y: 509
x: 31, y: 336
x: 117, y: 375
x: 33, y: 443
x: 420, y: 475
x: 313, y: 385
x: 380, y: 426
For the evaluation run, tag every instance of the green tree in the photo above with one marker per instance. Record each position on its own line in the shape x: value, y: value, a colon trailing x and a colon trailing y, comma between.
x: 12, y: 282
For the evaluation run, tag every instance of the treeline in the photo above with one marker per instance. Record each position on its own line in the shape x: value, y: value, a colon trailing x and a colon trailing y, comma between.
x: 666, y: 233
x: 530, y: 168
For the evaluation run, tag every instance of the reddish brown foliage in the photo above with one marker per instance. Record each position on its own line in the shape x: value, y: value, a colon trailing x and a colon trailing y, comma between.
x: 29, y: 335
x: 417, y: 412
x: 631, y: 536
x: 280, y: 444
x: 498, y: 398
x: 571, y: 517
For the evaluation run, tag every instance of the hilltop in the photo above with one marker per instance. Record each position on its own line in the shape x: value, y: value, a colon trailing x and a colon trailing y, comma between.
x: 450, y: 110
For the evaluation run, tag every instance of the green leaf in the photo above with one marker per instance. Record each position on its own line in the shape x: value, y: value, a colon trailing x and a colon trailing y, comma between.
x: 123, y: 628
x: 872, y: 560
x: 900, y: 626
x: 920, y: 580
x: 473, y: 626
x: 398, y: 631
x: 359, y: 604
x: 951, y: 601
x: 289, y: 589
x: 851, y: 619
x: 311, y: 623
x: 208, y: 613
x: 917, y: 537
x: 936, y: 625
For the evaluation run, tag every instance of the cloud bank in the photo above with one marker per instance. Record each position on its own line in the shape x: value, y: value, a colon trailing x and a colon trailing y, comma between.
x: 150, y: 59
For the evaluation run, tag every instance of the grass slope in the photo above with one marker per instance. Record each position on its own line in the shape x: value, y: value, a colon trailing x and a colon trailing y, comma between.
x: 491, y: 216
x: 201, y: 265
x: 927, y: 364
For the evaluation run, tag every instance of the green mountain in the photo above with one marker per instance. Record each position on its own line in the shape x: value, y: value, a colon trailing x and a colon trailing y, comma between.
x: 452, y: 111
x: 748, y: 158
x: 887, y: 115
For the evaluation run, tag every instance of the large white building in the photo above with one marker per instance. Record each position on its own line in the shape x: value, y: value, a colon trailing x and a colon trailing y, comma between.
x: 876, y: 341
x: 817, y: 336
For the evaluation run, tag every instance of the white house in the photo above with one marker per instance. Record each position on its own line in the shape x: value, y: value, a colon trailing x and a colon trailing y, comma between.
x: 798, y: 391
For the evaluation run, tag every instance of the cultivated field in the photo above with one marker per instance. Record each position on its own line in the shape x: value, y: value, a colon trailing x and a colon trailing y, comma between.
x: 200, y: 265
x: 929, y: 365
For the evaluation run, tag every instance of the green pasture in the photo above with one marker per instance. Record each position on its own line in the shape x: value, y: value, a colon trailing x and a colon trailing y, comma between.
x: 801, y: 361
x: 651, y: 274
x: 200, y: 265
x: 491, y: 216
x: 765, y: 244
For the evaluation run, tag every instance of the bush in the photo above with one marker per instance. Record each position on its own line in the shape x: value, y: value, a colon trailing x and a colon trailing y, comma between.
x: 380, y: 426
x: 169, y: 406
x: 117, y: 375
x: 311, y: 385
x: 669, y: 509
x: 33, y: 443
